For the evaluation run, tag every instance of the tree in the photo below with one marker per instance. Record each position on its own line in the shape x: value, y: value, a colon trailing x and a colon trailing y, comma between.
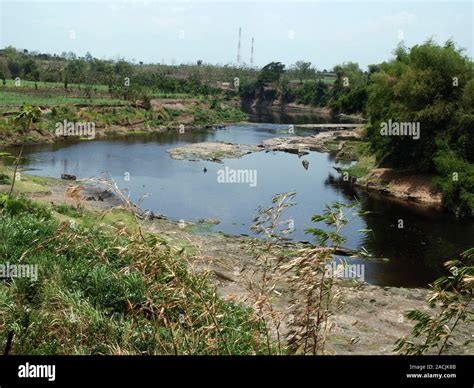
x: 271, y: 72
x: 14, y: 67
x: 29, y: 68
x: 303, y: 70
x: 431, y: 85
x: 313, y: 93
x: 88, y: 57
x: 27, y: 115
x: 76, y: 71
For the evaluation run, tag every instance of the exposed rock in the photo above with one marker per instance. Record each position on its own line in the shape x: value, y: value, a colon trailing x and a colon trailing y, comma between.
x: 302, y: 144
x: 212, y: 221
x: 213, y: 151
x: 68, y: 177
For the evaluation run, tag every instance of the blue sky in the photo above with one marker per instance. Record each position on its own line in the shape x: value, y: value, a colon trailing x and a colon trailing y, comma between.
x: 325, y: 33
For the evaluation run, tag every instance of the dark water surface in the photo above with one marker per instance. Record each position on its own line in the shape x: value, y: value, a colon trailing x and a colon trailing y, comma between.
x: 181, y: 190
x: 285, y: 116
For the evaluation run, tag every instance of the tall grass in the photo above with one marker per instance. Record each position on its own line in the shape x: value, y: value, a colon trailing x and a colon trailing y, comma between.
x: 130, y: 293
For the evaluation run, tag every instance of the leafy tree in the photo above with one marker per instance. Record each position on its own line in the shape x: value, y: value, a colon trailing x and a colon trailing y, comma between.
x: 271, y: 72
x: 27, y: 115
x: 313, y: 93
x: 431, y: 85
x: 303, y: 70
x: 14, y: 67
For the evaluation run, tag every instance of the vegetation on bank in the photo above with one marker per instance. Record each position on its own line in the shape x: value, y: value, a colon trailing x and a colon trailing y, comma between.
x: 431, y: 86
x: 198, y: 113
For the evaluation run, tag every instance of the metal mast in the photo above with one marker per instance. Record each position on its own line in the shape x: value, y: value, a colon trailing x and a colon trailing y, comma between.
x: 251, y: 54
x: 238, y: 47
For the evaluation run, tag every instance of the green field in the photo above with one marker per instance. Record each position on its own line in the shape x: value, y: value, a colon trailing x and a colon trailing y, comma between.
x: 10, y: 99
x: 10, y: 83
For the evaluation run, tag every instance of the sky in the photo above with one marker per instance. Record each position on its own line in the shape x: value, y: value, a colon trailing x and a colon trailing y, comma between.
x: 325, y: 33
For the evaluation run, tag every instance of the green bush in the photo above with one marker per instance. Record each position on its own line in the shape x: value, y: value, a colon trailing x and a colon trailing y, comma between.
x: 455, y: 181
x: 4, y: 179
x: 14, y: 206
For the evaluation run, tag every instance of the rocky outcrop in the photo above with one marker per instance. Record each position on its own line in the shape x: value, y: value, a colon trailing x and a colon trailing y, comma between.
x: 212, y: 151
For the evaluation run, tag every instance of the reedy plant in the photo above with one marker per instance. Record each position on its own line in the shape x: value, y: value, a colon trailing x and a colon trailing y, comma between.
x: 451, y: 298
x: 263, y: 283
x: 313, y: 296
x: 307, y: 282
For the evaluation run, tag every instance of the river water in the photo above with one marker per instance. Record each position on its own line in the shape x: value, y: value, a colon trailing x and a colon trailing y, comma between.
x: 181, y: 189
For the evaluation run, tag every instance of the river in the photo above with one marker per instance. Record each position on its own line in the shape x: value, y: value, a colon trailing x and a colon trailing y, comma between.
x: 181, y: 189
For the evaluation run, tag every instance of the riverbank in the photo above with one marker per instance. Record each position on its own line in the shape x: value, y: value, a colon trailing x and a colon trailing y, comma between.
x: 160, y: 115
x: 371, y: 318
x: 295, y: 110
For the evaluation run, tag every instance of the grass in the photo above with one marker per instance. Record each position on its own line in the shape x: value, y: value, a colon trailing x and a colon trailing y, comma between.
x: 13, y: 99
x: 103, y: 112
x: 173, y: 95
x: 4, y: 179
x: 365, y: 160
x: 10, y: 83
x: 110, y: 293
x: 27, y: 183
x: 363, y: 166
x: 23, y: 187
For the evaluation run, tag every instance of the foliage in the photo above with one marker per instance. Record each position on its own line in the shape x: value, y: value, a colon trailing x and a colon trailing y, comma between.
x: 303, y: 70
x: 14, y: 206
x: 455, y: 181
x: 4, y: 179
x: 27, y: 115
x: 431, y: 85
x: 123, y: 293
x: 313, y: 93
x: 302, y: 276
x: 450, y: 300
x: 335, y: 217
x: 271, y: 72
